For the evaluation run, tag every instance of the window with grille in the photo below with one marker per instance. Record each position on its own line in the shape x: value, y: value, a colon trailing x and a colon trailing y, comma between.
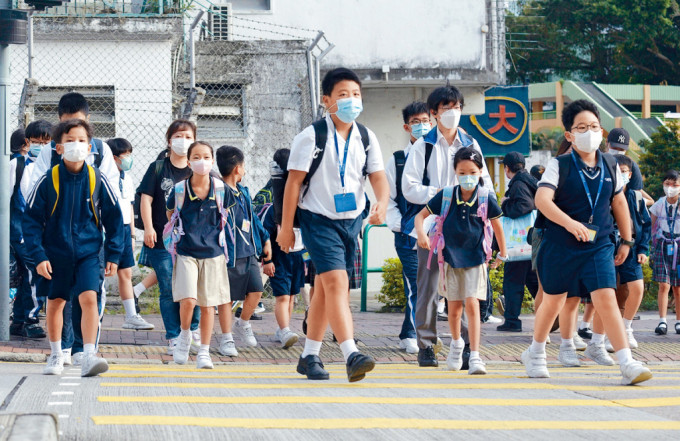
x: 101, y: 99
x: 221, y: 114
x: 251, y: 5
x: 219, y: 23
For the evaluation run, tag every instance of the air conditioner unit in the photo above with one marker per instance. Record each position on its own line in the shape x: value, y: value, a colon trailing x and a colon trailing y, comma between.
x: 220, y: 22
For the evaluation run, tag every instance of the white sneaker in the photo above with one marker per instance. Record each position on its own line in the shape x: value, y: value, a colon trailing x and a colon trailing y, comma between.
x: 598, y: 354
x: 228, y: 348
x: 608, y: 345
x: 260, y: 308
x: 203, y: 361
x: 287, y: 338
x: 634, y: 373
x: 181, y: 353
x: 631, y: 339
x: 55, y: 365
x: 137, y: 323
x: 245, y: 331
x: 493, y: 320
x: 579, y: 344
x: 455, y: 359
x: 195, y: 342
x: 410, y: 345
x: 172, y: 344
x: 568, y: 357
x: 477, y: 367
x: 77, y: 358
x: 93, y: 365
x: 66, y: 353
x: 535, y: 364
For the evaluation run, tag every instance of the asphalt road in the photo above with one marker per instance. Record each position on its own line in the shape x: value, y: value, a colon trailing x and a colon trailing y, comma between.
x: 395, y: 402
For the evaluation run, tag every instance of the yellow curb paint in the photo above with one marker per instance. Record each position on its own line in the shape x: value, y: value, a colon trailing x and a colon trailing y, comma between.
x: 359, y: 400
x: 380, y: 423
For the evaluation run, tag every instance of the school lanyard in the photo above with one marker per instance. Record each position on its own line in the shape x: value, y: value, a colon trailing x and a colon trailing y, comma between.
x: 342, y: 165
x: 585, y: 185
x: 120, y: 181
x: 671, y: 225
x: 242, y: 205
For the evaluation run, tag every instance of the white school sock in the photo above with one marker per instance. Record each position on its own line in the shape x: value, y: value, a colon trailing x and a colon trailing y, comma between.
x: 312, y: 347
x: 567, y: 343
x: 130, y: 310
x: 204, y: 349
x: 88, y: 349
x: 624, y: 356
x: 584, y: 325
x: 628, y: 323
x: 662, y: 319
x: 458, y: 344
x: 597, y: 339
x: 348, y: 347
x: 139, y: 289
x: 537, y: 348
x: 227, y: 336
x: 55, y: 347
x: 286, y: 329
x: 185, y: 334
x: 242, y: 322
x: 474, y: 355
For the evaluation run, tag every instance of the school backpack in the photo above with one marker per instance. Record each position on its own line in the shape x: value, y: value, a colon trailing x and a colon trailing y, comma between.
x: 263, y: 197
x: 94, y: 184
x: 174, y: 230
x: 139, y: 224
x: 97, y: 146
x: 437, y: 242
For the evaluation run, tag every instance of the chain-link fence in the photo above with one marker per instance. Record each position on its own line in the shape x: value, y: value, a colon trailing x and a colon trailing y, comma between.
x: 133, y: 63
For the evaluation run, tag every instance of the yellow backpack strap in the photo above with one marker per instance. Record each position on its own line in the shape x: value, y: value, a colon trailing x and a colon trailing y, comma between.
x: 55, y: 184
x: 92, y: 179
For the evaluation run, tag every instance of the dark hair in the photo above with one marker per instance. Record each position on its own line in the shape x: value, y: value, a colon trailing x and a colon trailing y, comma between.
x: 197, y: 143
x: 73, y: 102
x: 624, y: 160
x: 564, y: 146
x: 569, y: 113
x: 468, y: 154
x: 336, y: 75
x: 39, y: 129
x: 64, y: 127
x: 228, y: 158
x: 537, y: 171
x: 281, y: 158
x: 671, y: 175
x: 177, y: 125
x: 415, y: 108
x: 445, y: 95
x: 119, y: 146
x: 17, y: 141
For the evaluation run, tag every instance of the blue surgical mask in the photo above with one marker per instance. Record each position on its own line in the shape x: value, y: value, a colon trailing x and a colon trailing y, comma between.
x: 35, y: 149
x: 625, y: 179
x: 420, y: 129
x: 126, y: 163
x: 468, y: 182
x: 349, y: 109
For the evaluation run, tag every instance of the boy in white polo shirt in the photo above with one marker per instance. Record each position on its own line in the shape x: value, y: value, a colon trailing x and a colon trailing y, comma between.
x: 328, y: 164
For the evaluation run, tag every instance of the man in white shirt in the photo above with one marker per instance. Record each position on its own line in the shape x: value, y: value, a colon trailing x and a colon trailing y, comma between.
x: 400, y: 214
x: 429, y: 168
x: 327, y: 167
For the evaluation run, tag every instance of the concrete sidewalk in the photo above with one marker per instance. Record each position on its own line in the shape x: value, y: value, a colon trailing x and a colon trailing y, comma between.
x: 377, y: 334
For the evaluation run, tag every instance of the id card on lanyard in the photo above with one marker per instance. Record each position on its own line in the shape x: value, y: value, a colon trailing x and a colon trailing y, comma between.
x: 670, y: 248
x: 344, y: 201
x: 592, y: 229
x: 245, y: 225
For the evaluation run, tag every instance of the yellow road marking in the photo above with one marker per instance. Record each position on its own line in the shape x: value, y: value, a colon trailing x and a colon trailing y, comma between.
x: 650, y: 402
x: 380, y: 423
x: 368, y: 385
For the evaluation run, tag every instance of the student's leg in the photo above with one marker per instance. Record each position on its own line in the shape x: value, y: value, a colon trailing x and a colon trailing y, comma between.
x: 455, y: 314
x: 568, y: 317
x: 409, y: 263
x: 664, y: 288
x: 513, y: 290
x: 539, y: 297
x: 89, y: 320
x: 676, y: 296
x: 282, y: 310
x: 207, y: 323
x: 335, y: 285
x: 550, y: 308
x: 224, y: 317
x: 161, y: 261
x: 317, y: 321
x: 635, y: 293
x: 125, y: 284
x: 55, y: 318
x: 474, y: 322
x: 622, y: 293
x: 606, y: 306
x: 426, y: 302
x: 249, y: 305
x: 186, y: 313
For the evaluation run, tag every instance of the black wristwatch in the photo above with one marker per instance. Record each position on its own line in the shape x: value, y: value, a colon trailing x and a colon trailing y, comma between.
x: 630, y: 243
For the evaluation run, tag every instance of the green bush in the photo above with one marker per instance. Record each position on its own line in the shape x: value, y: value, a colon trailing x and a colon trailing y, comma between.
x: 392, y: 290
x: 660, y: 154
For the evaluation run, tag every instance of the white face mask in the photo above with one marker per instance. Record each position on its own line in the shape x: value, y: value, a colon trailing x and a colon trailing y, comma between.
x: 588, y: 142
x: 180, y: 145
x: 76, y: 151
x: 617, y: 152
x: 450, y: 118
x: 671, y: 192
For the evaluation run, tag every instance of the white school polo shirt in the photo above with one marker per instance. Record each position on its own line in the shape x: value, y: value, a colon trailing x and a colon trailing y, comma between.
x: 326, y: 181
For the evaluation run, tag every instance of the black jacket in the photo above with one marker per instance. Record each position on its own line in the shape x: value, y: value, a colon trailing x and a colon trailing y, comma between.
x: 520, y: 195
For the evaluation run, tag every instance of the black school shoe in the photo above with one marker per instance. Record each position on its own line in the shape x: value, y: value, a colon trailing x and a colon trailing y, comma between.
x: 508, y: 328
x: 34, y: 330
x: 16, y: 329
x: 466, y: 358
x: 585, y: 333
x: 662, y: 329
x: 427, y: 358
x: 312, y: 367
x: 357, y: 366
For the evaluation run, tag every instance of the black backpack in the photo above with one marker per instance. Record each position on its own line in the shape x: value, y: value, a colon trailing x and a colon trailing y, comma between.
x: 139, y: 224
x: 400, y: 163
x: 21, y: 165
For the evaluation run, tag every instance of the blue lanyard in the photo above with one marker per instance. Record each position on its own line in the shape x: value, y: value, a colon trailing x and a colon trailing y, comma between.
x: 120, y: 181
x: 342, y: 166
x: 242, y: 205
x: 585, y: 184
x: 671, y: 225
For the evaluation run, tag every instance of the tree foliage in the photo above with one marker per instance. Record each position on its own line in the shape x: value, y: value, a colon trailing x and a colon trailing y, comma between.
x: 608, y: 41
x: 661, y: 153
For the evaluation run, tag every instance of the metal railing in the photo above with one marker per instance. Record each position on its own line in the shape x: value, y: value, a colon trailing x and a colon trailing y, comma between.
x: 551, y: 114
x: 364, y: 265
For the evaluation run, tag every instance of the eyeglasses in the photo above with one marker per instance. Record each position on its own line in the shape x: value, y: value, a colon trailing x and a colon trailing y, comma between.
x: 419, y: 121
x: 583, y: 128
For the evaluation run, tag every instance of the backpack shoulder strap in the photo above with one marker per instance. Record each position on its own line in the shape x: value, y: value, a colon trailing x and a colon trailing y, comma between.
x: 159, y: 166
x: 180, y: 194
x: 54, y: 157
x: 21, y: 165
x: 94, y: 181
x: 55, y: 185
x: 363, y: 131
x: 563, y: 162
x: 483, y: 202
x: 99, y: 145
x: 447, y: 197
x: 320, y: 139
x: 399, y: 164
x: 610, y: 163
x: 428, y: 154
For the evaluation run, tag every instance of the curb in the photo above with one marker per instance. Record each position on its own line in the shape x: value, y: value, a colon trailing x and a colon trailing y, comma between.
x: 29, y: 426
x: 22, y: 357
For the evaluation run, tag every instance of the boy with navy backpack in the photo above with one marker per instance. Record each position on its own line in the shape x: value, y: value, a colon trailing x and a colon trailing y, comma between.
x: 328, y: 164
x: 63, y: 230
x: 400, y: 220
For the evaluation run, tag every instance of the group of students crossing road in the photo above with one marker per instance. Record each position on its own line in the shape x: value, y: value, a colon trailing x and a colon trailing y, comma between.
x: 75, y: 213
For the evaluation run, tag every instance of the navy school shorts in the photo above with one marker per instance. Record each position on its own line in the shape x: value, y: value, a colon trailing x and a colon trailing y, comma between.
x: 77, y: 277
x: 127, y: 259
x: 630, y: 270
x: 245, y: 278
x: 289, y: 274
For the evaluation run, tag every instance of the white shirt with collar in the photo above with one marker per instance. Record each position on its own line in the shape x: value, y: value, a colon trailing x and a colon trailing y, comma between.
x: 326, y: 181
x: 393, y: 219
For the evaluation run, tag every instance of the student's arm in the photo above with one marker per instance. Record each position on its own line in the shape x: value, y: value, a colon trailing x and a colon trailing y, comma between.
x: 263, y: 235
x: 644, y: 238
x: 145, y: 209
x: 393, y: 217
x: 412, y: 182
x: 546, y: 205
x: 423, y: 239
x: 291, y: 196
x: 649, y: 201
x: 12, y: 173
x: 381, y: 189
x: 109, y: 169
x: 112, y: 220
x: 33, y: 227
x: 497, y: 226
x: 622, y: 217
